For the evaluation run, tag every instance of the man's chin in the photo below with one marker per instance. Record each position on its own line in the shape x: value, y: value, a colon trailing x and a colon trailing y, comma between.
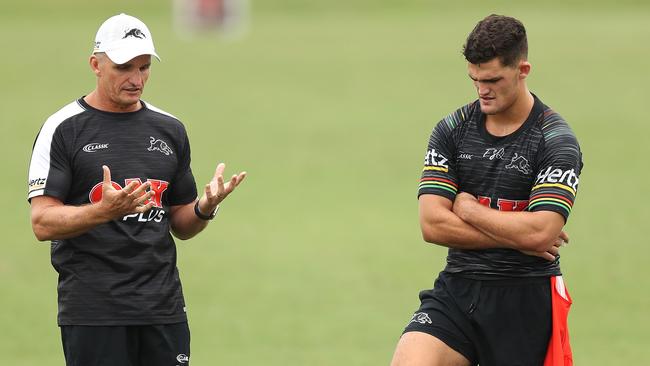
x: 128, y: 103
x: 489, y: 110
x: 130, y: 100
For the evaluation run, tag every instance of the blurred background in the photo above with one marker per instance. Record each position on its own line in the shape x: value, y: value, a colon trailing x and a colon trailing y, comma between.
x: 317, y: 259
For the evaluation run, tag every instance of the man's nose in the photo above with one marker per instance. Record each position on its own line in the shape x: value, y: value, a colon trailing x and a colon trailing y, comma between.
x: 483, y: 89
x: 136, y: 78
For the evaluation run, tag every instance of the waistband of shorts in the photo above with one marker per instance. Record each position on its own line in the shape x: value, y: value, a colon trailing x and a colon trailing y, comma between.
x: 500, y: 281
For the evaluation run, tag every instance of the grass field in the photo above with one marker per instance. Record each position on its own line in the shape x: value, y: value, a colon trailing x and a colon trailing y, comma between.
x: 317, y: 259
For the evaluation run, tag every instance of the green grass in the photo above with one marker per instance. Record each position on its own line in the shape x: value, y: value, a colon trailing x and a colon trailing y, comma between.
x: 317, y: 258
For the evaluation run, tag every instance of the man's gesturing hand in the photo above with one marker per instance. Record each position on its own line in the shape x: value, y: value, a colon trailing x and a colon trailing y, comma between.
x: 131, y: 199
x: 216, y: 191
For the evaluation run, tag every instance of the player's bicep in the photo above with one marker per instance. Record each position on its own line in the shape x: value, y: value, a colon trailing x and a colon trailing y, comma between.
x: 432, y: 208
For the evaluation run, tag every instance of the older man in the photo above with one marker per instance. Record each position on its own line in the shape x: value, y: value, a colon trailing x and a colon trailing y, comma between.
x: 109, y: 181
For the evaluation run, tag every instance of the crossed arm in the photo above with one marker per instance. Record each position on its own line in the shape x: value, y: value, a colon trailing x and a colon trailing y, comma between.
x: 466, y: 224
x: 52, y: 219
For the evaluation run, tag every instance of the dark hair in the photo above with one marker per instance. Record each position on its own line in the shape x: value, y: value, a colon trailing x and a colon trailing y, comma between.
x: 497, y: 36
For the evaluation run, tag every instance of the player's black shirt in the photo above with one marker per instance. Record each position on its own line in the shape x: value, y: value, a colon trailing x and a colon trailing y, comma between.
x: 535, y: 168
x: 122, y: 272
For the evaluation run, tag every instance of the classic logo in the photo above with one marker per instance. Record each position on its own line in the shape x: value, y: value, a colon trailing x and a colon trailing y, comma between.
x: 94, y: 146
x: 556, y: 176
x: 159, y: 145
x: 520, y: 163
x: 435, y: 161
x: 492, y: 153
x: 422, y: 318
x: 135, y: 32
x: 182, y: 358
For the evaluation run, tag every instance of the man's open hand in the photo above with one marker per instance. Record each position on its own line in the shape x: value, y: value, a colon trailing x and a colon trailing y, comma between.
x: 217, y: 190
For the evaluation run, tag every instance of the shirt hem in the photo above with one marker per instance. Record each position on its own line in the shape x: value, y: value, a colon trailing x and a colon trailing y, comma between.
x: 126, y: 321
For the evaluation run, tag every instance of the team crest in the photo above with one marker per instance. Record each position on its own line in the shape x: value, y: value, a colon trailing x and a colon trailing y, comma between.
x: 422, y: 318
x: 520, y: 163
x: 159, y: 145
x: 135, y: 32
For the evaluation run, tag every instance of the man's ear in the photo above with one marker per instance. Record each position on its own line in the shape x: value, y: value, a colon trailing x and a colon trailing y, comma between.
x: 94, y: 64
x: 524, y: 69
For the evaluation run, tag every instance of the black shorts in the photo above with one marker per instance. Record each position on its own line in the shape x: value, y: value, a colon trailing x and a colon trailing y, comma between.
x: 133, y: 345
x: 490, y: 322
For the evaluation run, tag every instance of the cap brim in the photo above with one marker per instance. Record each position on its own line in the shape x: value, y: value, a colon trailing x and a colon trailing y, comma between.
x: 125, y: 55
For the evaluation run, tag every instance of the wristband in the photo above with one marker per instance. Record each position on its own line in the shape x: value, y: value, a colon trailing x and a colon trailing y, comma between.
x: 202, y: 216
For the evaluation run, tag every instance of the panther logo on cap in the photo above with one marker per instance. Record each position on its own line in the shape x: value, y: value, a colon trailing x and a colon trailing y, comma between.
x: 135, y: 32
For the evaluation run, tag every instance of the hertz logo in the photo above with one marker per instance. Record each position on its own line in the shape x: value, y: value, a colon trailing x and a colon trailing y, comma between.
x: 568, y: 178
x: 433, y: 158
x: 38, y: 182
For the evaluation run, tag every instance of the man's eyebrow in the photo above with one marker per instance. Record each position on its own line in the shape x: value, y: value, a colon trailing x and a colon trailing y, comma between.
x: 491, y: 80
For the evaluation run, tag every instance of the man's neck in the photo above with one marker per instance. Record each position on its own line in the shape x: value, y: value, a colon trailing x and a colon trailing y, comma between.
x: 509, y: 120
x: 95, y: 100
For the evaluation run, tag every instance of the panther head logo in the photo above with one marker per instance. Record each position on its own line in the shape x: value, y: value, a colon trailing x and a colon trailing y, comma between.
x: 159, y: 145
x: 135, y: 32
x: 520, y: 163
x: 422, y: 318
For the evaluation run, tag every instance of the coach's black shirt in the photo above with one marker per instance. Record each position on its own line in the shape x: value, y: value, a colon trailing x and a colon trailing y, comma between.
x: 534, y: 168
x: 122, y: 272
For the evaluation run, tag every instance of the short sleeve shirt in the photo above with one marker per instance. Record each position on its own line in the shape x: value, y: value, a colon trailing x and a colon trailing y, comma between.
x: 535, y: 168
x: 122, y: 272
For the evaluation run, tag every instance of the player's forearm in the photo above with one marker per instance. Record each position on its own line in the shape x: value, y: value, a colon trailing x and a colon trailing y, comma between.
x: 517, y: 230
x: 184, y: 222
x: 446, y: 229
x: 63, y: 222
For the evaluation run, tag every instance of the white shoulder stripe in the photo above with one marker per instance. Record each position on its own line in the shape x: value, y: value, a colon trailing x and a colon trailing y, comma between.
x: 156, y: 109
x: 39, y: 166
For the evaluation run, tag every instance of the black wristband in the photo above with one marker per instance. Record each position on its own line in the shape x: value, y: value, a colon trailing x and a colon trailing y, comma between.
x: 202, y: 216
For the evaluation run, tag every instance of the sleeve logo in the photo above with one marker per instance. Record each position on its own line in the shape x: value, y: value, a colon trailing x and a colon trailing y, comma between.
x: 435, y: 161
x: 422, y: 318
x: 567, y: 179
x: 37, y: 183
